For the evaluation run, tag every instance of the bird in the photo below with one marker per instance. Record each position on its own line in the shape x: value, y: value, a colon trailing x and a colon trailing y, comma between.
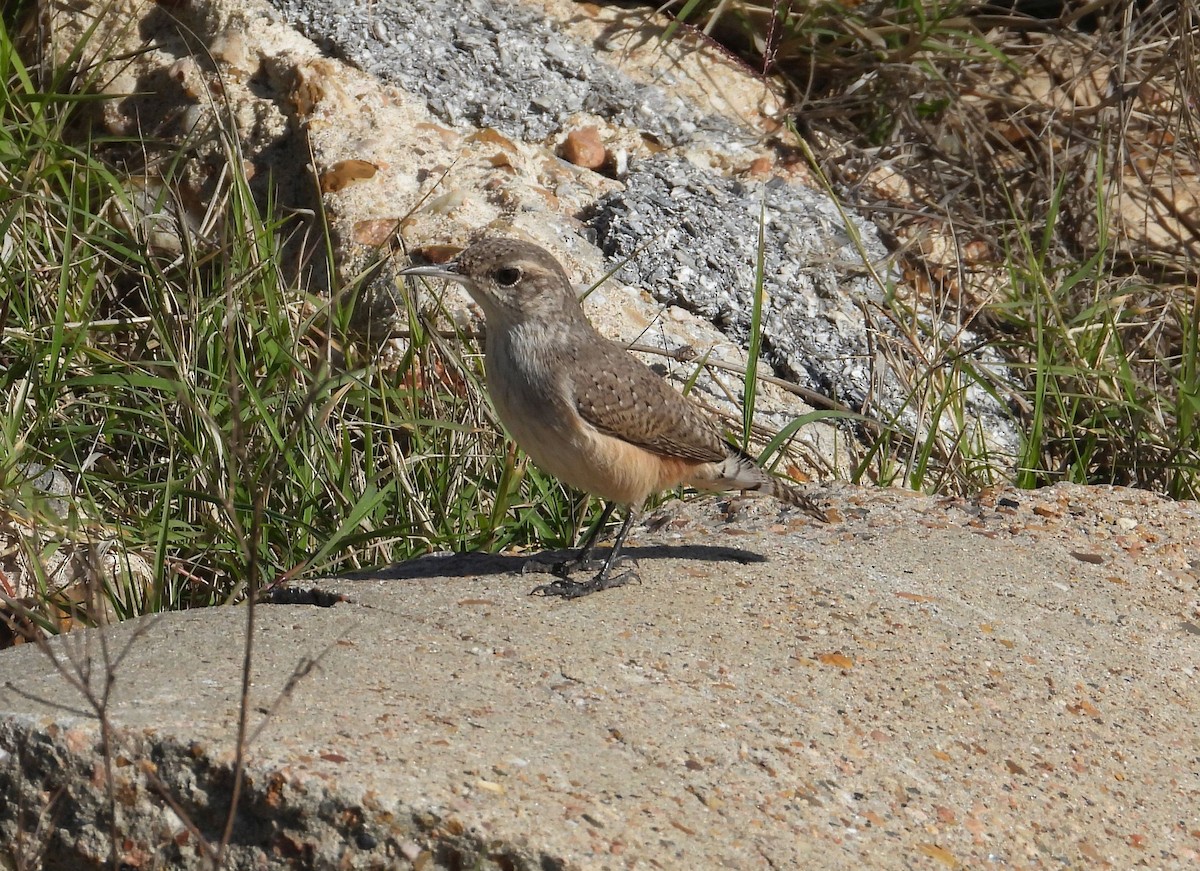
x: 586, y: 410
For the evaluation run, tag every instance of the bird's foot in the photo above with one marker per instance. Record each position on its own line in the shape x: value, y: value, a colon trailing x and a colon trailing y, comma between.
x: 561, y: 568
x: 565, y: 588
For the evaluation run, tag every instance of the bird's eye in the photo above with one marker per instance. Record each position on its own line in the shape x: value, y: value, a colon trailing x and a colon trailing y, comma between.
x: 507, y: 276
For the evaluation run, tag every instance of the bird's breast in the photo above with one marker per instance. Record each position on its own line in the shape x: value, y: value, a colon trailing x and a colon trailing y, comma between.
x: 530, y: 389
x: 522, y: 375
x: 533, y: 392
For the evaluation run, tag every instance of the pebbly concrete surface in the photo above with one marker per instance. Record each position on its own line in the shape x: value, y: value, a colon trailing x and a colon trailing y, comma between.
x: 1009, y: 682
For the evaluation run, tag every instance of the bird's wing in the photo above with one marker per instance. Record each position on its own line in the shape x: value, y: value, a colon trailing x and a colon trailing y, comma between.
x: 630, y: 402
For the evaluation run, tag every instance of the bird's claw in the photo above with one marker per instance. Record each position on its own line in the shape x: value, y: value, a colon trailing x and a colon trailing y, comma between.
x: 560, y: 568
x: 566, y: 568
x: 568, y: 589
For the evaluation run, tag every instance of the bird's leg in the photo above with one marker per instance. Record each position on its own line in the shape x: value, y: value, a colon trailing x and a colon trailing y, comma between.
x: 605, y: 580
x: 582, y: 558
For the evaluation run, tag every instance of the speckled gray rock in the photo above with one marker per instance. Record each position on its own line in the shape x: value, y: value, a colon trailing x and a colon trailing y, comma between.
x: 510, y: 66
x: 922, y: 683
x: 690, y: 236
x: 667, y: 204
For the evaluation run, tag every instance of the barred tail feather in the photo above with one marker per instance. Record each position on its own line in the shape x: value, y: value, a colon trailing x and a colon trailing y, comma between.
x: 738, y: 471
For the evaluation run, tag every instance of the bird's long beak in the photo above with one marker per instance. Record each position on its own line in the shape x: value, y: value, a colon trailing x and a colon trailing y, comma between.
x: 447, y: 271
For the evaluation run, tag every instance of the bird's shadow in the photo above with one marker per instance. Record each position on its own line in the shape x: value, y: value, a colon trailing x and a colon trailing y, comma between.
x: 461, y: 565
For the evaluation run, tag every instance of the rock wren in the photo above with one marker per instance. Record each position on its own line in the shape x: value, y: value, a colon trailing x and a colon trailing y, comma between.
x: 582, y: 407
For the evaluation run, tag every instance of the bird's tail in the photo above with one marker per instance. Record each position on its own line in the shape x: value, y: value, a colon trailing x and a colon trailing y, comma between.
x: 738, y: 471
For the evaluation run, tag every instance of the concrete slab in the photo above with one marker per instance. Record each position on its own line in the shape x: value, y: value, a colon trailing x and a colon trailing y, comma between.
x: 923, y: 683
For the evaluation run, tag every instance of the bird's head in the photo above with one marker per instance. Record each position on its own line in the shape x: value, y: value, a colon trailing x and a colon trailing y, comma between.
x: 511, y: 281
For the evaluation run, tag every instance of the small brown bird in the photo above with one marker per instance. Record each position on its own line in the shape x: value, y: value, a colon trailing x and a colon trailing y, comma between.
x: 582, y: 407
